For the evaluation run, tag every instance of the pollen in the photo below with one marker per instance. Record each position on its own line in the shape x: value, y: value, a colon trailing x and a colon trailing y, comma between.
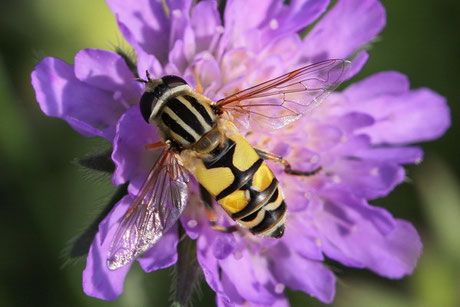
x: 192, y: 223
x: 177, y: 13
x: 375, y: 171
x: 274, y: 24
x: 336, y: 179
x: 318, y: 242
x: 279, y: 288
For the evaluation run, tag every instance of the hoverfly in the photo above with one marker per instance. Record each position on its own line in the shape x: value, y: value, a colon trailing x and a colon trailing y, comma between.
x: 200, y: 138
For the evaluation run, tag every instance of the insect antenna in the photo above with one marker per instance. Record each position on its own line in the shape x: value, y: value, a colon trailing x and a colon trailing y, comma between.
x: 147, y: 73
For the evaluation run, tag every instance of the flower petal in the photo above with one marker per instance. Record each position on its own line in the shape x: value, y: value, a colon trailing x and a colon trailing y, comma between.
x: 347, y: 26
x: 177, y: 56
x: 163, y: 254
x: 223, y: 245
x: 358, y: 63
x: 303, y: 274
x: 129, y: 153
x: 401, y: 155
x: 353, y: 121
x: 145, y: 61
x: 250, y: 275
x: 366, y: 178
x: 301, y: 238
x: 210, y: 266
x: 148, y: 23
x: 337, y: 200
x: 242, y: 17
x: 98, y: 280
x: 287, y: 47
x: 280, y: 302
x: 415, y: 116
x: 60, y: 94
x: 292, y: 18
x: 355, y: 240
x: 205, y: 20
x: 108, y: 71
x: 193, y: 217
x: 382, y: 83
x: 207, y: 70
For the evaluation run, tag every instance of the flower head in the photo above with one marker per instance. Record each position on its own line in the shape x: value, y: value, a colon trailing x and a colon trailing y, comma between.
x: 360, y: 137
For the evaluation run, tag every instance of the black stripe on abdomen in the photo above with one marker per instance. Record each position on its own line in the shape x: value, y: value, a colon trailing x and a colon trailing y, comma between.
x: 271, y: 219
x: 257, y: 199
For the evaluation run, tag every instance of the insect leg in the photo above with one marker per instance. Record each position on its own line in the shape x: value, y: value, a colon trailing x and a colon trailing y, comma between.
x: 207, y: 200
x: 168, y: 143
x: 155, y: 145
x: 287, y: 167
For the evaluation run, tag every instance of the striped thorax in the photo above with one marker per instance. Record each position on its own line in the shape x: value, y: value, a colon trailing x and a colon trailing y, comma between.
x: 182, y: 115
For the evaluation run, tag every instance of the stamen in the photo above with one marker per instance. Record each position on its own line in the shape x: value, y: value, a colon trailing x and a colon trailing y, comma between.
x: 196, y: 76
x: 165, y: 8
x: 215, y: 38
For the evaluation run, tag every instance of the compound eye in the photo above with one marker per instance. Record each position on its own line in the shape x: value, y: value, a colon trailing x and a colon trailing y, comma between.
x: 172, y: 81
x: 146, y: 105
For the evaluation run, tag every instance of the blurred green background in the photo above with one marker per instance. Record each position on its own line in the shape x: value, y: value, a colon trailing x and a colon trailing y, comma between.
x: 47, y: 199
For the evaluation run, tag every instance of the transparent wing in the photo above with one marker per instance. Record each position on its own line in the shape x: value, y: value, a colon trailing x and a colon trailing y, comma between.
x: 280, y: 101
x: 155, y: 209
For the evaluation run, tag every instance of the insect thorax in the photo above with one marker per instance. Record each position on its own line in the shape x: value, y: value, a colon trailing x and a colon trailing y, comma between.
x: 182, y: 115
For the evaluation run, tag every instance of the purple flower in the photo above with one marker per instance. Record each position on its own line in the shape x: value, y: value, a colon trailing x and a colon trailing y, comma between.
x: 360, y: 137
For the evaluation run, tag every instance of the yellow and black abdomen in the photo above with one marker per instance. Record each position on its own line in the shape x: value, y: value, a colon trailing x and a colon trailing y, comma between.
x: 244, y: 185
